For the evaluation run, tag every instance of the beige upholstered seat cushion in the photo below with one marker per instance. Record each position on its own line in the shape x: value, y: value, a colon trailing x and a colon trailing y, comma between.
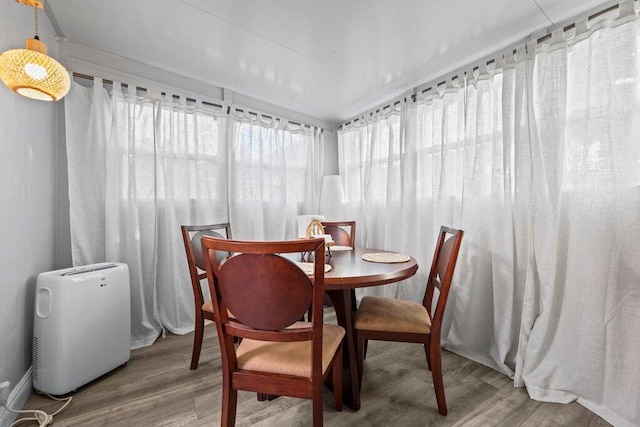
x: 291, y: 358
x: 208, y: 306
x: 393, y: 315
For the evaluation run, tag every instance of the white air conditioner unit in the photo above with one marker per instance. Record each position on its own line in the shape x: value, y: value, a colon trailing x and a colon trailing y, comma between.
x: 81, y: 326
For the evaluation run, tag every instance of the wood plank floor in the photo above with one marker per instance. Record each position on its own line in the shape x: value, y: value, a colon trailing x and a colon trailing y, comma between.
x: 156, y: 388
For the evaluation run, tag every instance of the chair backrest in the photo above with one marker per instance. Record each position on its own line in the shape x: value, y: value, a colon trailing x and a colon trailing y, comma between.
x: 266, y: 292
x: 441, y: 275
x: 339, y: 233
x: 191, y: 237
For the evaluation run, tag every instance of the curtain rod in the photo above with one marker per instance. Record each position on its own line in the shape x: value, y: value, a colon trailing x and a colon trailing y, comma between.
x: 144, y: 89
x: 538, y: 40
x: 253, y: 113
x: 542, y: 39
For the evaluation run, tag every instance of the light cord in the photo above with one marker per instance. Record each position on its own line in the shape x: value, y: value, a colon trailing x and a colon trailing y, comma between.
x: 35, y: 13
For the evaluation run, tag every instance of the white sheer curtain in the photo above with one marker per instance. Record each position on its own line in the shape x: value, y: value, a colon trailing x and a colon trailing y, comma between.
x: 373, y: 166
x: 538, y: 161
x: 275, y: 170
x: 191, y: 183
x: 139, y: 167
x: 142, y: 165
x: 579, y: 332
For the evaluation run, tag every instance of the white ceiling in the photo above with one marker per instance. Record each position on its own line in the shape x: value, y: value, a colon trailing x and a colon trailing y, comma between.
x: 329, y: 59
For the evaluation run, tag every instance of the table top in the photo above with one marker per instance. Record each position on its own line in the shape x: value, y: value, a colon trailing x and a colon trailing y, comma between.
x: 350, y: 271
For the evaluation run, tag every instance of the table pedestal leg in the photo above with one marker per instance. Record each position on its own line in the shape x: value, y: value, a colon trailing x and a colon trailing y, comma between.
x: 344, y: 302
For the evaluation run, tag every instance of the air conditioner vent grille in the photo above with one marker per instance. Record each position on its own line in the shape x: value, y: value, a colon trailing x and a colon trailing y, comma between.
x: 34, y: 348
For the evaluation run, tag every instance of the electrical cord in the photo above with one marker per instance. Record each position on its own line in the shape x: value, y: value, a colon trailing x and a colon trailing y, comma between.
x: 42, y: 418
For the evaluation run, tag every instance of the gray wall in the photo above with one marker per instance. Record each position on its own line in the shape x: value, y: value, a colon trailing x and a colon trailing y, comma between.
x: 28, y: 133
x: 330, y: 153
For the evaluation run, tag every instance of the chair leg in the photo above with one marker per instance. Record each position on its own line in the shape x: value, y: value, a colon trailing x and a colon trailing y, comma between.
x: 361, y: 349
x: 197, y: 341
x: 229, y: 405
x: 317, y: 404
x: 263, y: 397
x: 427, y: 354
x: 438, y: 384
x: 365, y: 346
x: 337, y: 379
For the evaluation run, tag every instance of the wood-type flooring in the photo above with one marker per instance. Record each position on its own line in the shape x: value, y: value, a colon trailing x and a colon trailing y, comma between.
x: 156, y: 388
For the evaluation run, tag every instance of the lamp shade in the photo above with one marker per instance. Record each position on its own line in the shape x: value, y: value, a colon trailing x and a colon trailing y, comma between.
x: 34, y: 74
x: 332, y: 198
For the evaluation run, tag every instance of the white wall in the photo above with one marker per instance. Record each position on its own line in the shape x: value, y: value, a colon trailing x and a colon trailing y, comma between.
x: 27, y: 200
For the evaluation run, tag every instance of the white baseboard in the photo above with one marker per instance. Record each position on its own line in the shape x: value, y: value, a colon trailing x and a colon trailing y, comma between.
x: 17, y: 399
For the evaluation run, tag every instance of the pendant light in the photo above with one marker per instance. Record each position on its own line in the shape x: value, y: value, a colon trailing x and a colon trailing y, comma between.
x: 31, y: 72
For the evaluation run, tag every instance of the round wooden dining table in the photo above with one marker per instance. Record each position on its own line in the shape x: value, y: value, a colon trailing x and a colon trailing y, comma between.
x: 348, y: 272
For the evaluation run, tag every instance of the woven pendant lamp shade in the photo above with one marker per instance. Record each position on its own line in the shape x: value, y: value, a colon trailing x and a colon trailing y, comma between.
x: 32, y: 73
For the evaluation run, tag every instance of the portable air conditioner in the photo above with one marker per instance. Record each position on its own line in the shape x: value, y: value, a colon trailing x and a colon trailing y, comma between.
x: 81, y: 326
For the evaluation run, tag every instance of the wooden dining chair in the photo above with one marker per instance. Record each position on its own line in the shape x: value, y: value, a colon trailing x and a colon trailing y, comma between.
x: 343, y: 233
x: 268, y: 294
x: 389, y: 319
x: 191, y: 236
